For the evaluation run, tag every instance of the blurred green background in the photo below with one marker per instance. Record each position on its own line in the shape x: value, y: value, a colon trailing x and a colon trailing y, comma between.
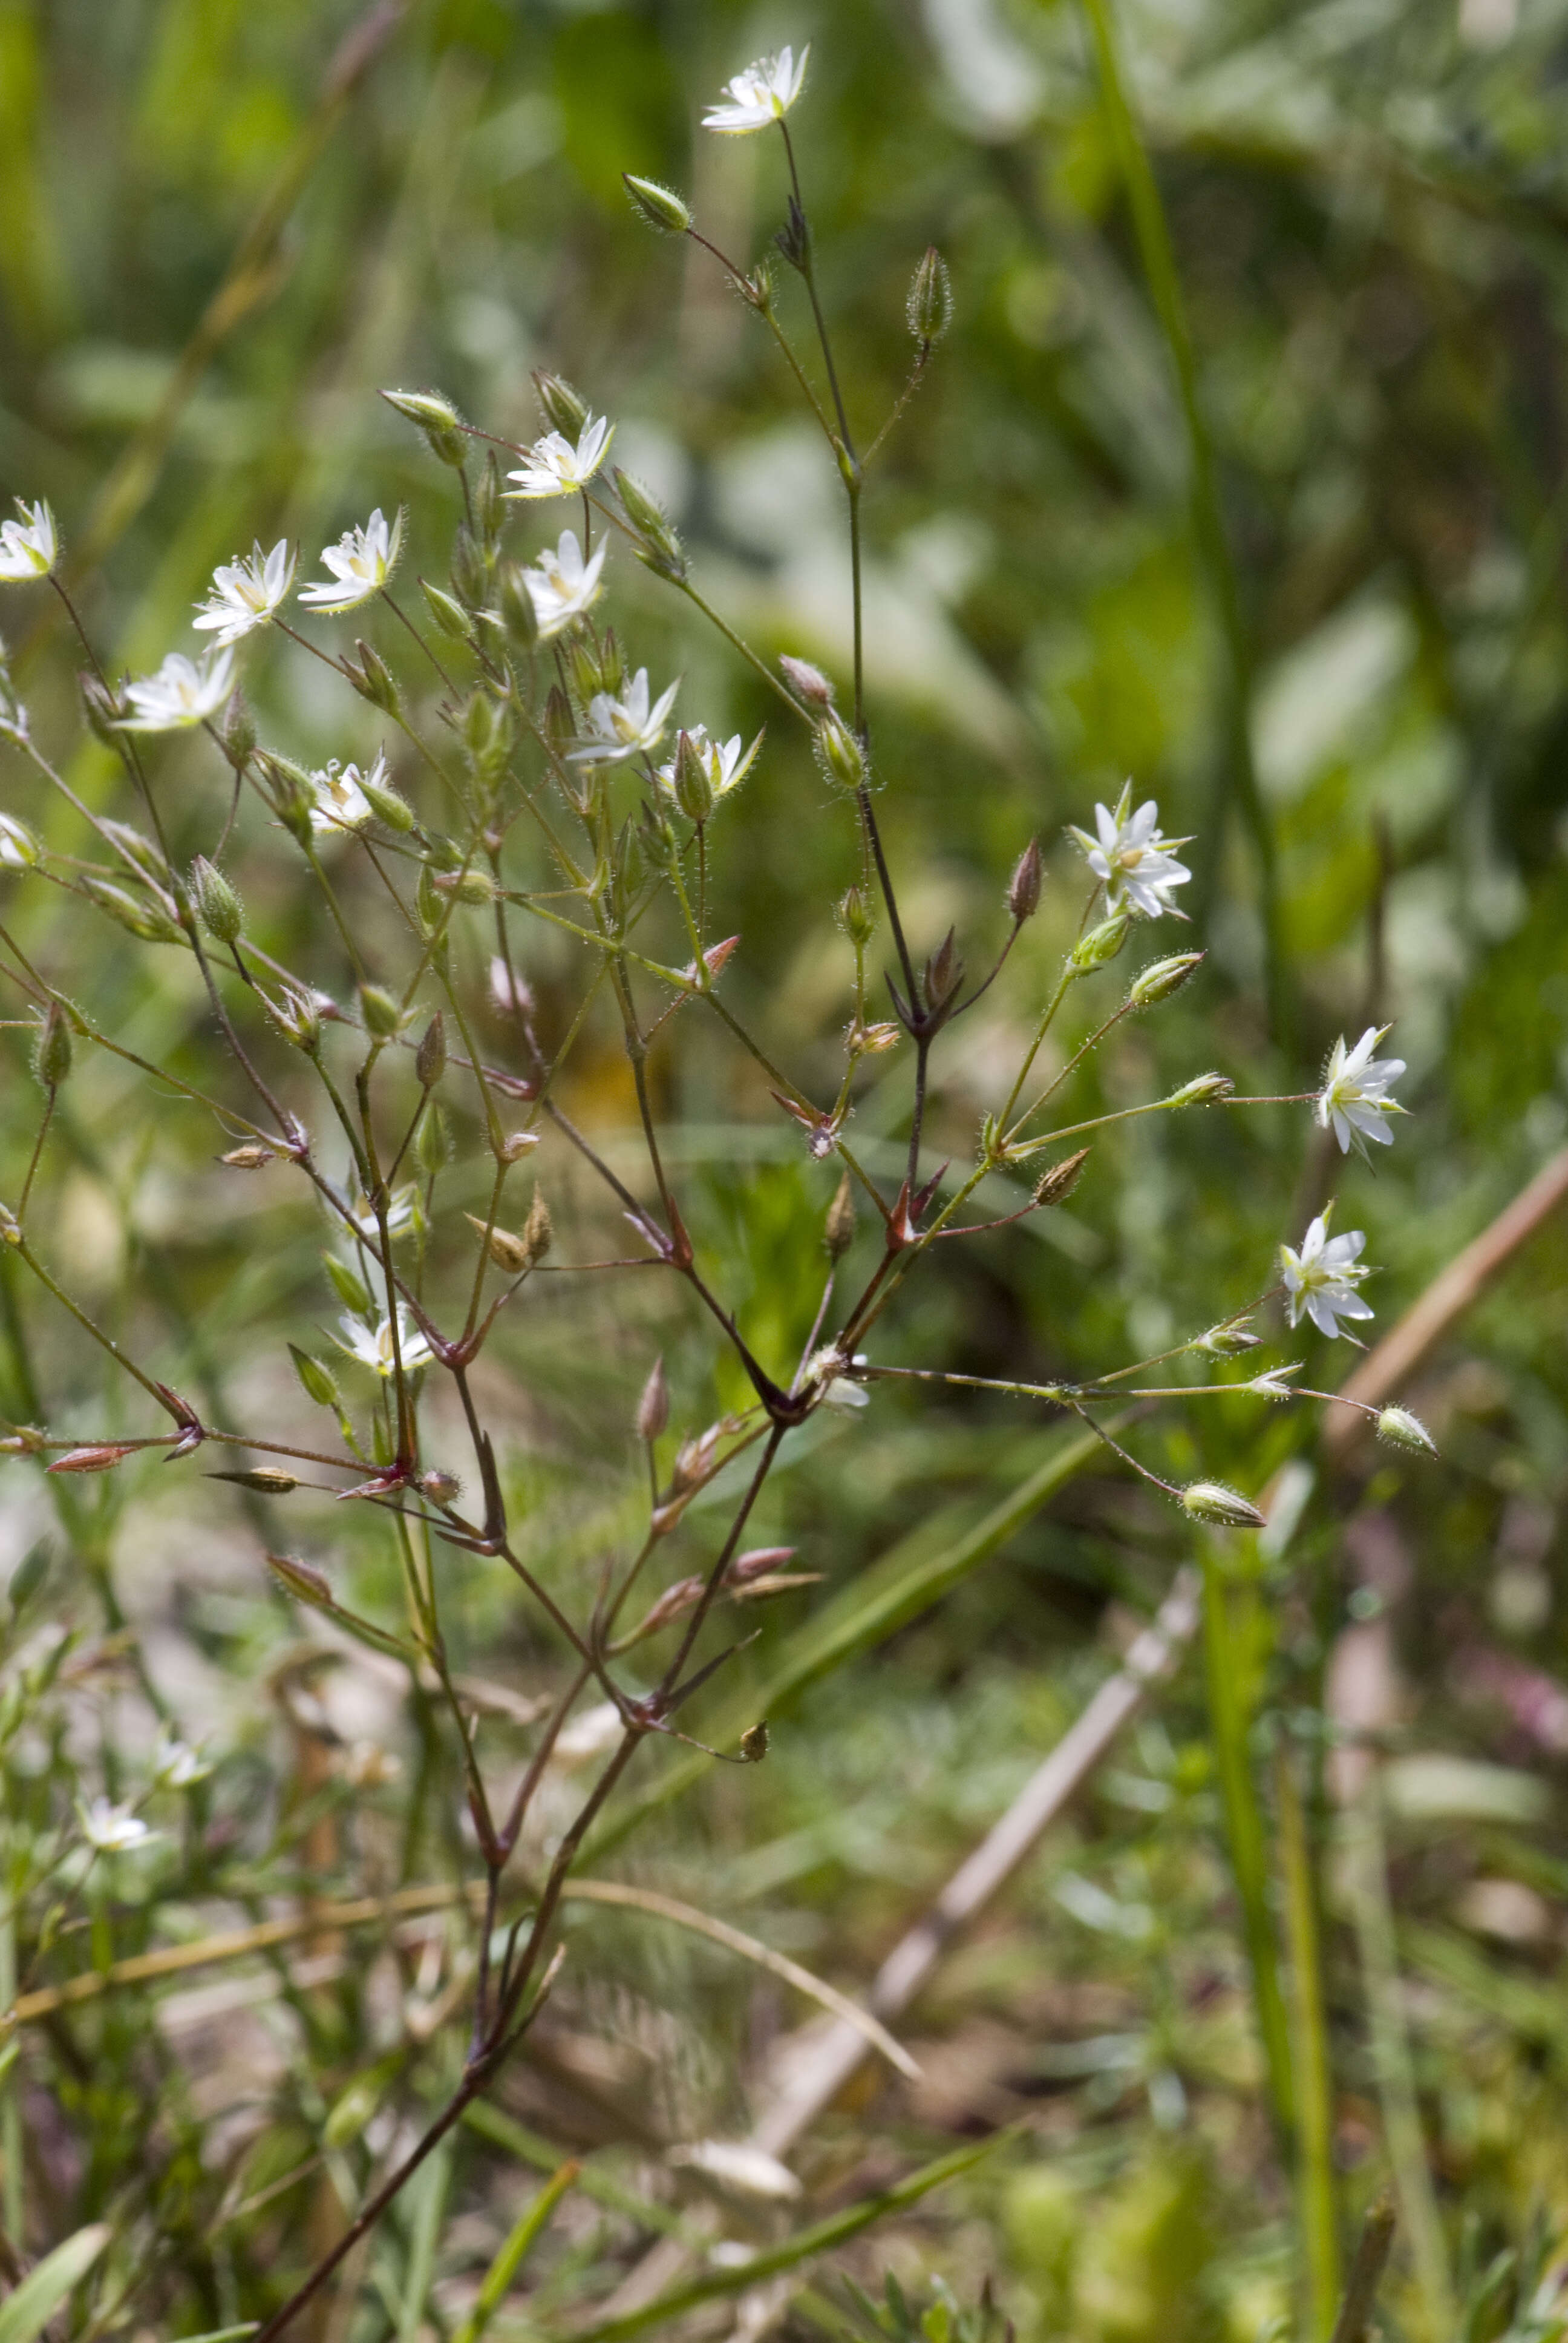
x: 207, y: 267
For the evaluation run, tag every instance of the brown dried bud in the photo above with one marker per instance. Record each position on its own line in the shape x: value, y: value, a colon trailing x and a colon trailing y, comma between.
x: 1055, y: 1186
x: 517, y: 1144
x: 266, y: 1480
x: 753, y: 1742
x: 684, y: 1596
x: 101, y: 1457
x: 839, y: 1230
x: 430, y: 1058
x: 539, y: 1234
x: 653, y: 1407
x: 508, y: 1252
x: 303, y: 1580
x: 807, y: 683
x: 757, y: 1563
x: 251, y: 1157
x: 1024, y: 887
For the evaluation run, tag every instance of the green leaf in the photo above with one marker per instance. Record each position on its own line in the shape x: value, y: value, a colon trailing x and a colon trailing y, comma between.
x: 27, y: 2310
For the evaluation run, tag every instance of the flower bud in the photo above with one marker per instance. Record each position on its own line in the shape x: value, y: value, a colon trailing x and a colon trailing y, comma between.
x: 292, y: 795
x: 930, y: 306
x: 383, y: 1018
x: 100, y: 1456
x: 52, y: 1050
x: 1402, y: 1430
x: 348, y: 1284
x: 304, y: 1581
x: 1204, y: 1090
x: 683, y: 1597
x: 430, y: 1056
x: 249, y: 1158
x: 448, y: 614
x: 758, y: 1561
x: 19, y: 850
x: 559, y: 725
x: 489, y: 500
x: 1211, y: 1501
x: 565, y: 410
x: 518, y: 615
x: 653, y: 1407
x: 1160, y: 979
x: 238, y: 731
x: 1101, y: 944
x: 1024, y: 887
x: 373, y: 679
x: 806, y: 682
x: 437, y: 418
x: 101, y: 711
x: 266, y: 1480
x: 388, y: 806
x: 693, y: 782
x: 432, y: 1143
x: 315, y: 1380
x: 860, y: 922
x: 839, y: 1229
x: 839, y: 752
x: 1225, y: 1341
x: 472, y: 564
x: 660, y: 548
x: 217, y: 905
x: 1055, y: 1186
x: 657, y: 206
x: 137, y: 915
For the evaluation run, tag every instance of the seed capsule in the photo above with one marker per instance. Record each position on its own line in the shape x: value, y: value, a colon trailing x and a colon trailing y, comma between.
x: 653, y: 1407
x: 1211, y: 1501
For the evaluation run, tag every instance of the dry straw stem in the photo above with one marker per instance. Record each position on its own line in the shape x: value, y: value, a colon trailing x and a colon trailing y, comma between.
x: 1366, y: 2272
x: 1450, y: 1293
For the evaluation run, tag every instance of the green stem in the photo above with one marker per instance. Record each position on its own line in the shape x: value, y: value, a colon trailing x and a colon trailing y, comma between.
x: 1238, y: 776
x: 1316, y: 2209
x: 1226, y: 1668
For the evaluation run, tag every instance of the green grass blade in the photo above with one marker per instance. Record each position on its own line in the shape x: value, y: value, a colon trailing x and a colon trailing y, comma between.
x: 1317, y: 2211
x: 504, y: 2269
x: 26, y: 2312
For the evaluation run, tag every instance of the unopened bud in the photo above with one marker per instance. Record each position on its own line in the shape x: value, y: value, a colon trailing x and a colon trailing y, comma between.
x: 383, y: 1018
x: 304, y: 1581
x: 1055, y: 1186
x: 238, y: 731
x: 388, y: 806
x: 447, y: 612
x: 839, y: 752
x: 1162, y: 979
x: 316, y: 1383
x: 266, y: 1480
x: 839, y: 1229
x: 693, y: 782
x: 758, y: 1561
x: 806, y: 682
x: 942, y: 971
x: 101, y: 1456
x: 19, y: 850
x: 139, y: 916
x: 930, y: 306
x: 1101, y: 944
x: 1402, y: 1430
x: 657, y: 206
x: 101, y: 711
x: 653, y: 1407
x: 565, y: 409
x: 348, y: 1285
x: 251, y: 1157
x: 1024, y: 887
x: 1211, y: 1501
x: 1204, y: 1090
x: 1225, y: 1341
x: 52, y: 1050
x: 437, y: 418
x: 560, y: 725
x: 217, y: 905
x: 518, y: 615
x: 373, y: 679
x: 683, y: 1597
x: 432, y: 1143
x: 430, y: 1056
x: 860, y: 922
x: 660, y: 548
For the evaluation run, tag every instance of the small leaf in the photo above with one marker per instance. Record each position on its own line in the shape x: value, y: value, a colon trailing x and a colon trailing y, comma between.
x: 27, y: 2310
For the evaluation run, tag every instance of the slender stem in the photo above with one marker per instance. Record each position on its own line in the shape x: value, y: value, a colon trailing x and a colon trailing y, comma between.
x: 1317, y: 2211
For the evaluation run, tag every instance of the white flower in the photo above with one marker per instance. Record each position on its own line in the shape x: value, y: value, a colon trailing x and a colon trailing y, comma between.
x: 1272, y: 1383
x: 1355, y: 1097
x: 1322, y: 1278
x: 246, y: 593
x: 727, y: 765
x: 30, y: 548
x: 1131, y: 857
x: 361, y: 562
x: 764, y: 93
x: 176, y: 1764
x: 563, y: 584
x: 372, y: 1345
x: 183, y: 692
x: 554, y: 467
x: 399, y: 1215
x: 18, y: 847
x: 340, y: 802
x: 619, y: 729
x: 110, y: 1829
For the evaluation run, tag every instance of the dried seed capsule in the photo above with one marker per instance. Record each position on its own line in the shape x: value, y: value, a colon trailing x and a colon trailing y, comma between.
x: 653, y: 1407
x: 430, y: 1056
x: 1055, y: 1186
x: 517, y: 1144
x: 538, y: 1234
x: 683, y: 1597
x: 930, y: 306
x: 839, y: 1230
x: 100, y: 1456
x: 303, y: 1580
x: 807, y: 683
x: 266, y: 1480
x: 508, y: 1252
x: 658, y: 206
x: 1024, y: 887
x: 251, y: 1157
x: 1211, y: 1501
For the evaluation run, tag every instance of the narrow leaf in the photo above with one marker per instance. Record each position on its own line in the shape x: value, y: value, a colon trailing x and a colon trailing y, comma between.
x: 27, y: 2310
